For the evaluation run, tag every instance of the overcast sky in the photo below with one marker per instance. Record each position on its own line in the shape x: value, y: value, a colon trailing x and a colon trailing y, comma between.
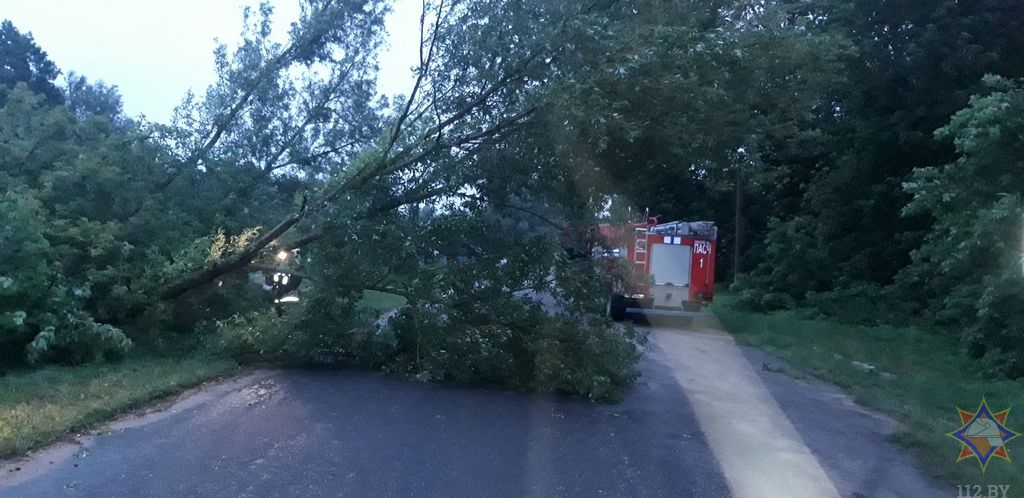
x: 156, y: 50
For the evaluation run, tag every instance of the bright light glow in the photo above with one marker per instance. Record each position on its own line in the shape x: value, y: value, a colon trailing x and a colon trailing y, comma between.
x: 282, y: 256
x: 289, y: 299
x: 284, y: 280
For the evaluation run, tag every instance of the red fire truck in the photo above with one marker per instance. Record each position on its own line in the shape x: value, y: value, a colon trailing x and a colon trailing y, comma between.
x: 664, y: 267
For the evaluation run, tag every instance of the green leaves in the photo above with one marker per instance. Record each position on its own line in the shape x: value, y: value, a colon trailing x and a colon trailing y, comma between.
x: 77, y: 340
x: 516, y: 343
x: 68, y: 186
x: 222, y: 246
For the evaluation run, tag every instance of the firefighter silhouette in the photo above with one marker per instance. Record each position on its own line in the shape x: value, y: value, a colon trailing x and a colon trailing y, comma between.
x: 283, y: 281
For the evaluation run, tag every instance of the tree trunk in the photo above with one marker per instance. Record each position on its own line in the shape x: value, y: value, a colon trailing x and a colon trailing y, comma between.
x: 234, y: 262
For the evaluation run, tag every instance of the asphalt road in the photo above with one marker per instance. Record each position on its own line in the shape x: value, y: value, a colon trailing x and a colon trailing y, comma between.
x: 357, y: 433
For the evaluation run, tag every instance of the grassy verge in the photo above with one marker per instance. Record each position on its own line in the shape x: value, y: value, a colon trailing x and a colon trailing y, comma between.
x: 39, y: 406
x: 381, y: 301
x: 920, y: 379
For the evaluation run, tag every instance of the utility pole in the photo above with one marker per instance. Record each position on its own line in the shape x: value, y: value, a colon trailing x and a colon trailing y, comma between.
x: 738, y: 232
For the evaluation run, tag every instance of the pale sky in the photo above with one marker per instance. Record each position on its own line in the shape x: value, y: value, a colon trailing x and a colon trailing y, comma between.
x: 156, y: 50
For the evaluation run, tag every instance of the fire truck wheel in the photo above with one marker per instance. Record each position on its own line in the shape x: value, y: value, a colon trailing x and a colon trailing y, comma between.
x: 616, y: 308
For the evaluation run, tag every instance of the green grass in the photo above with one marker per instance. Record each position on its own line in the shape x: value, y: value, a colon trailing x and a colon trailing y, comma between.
x: 39, y: 406
x: 930, y: 378
x: 381, y: 301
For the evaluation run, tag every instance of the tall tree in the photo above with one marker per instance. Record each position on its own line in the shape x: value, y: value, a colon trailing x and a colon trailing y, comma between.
x: 86, y: 99
x: 22, y: 61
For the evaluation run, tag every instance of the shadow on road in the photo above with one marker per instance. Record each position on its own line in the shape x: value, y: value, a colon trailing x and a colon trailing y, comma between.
x: 660, y: 321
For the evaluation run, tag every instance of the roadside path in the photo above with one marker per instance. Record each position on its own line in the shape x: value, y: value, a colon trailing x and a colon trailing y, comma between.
x: 776, y: 436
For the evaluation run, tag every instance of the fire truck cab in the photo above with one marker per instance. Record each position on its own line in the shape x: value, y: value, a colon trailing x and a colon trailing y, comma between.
x: 667, y: 267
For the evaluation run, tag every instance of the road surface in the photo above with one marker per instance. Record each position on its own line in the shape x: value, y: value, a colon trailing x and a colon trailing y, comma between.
x: 705, y: 420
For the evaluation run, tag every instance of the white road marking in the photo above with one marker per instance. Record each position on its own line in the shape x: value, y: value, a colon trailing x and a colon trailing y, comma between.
x: 760, y: 451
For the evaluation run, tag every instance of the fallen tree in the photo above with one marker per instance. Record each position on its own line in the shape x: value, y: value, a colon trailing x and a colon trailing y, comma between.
x: 451, y: 196
x: 421, y: 150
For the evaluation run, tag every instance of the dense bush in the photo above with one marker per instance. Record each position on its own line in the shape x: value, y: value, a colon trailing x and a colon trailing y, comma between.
x: 73, y: 339
x: 76, y: 340
x: 517, y: 343
x: 40, y: 307
x: 259, y: 336
x: 969, y: 272
x: 14, y: 335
